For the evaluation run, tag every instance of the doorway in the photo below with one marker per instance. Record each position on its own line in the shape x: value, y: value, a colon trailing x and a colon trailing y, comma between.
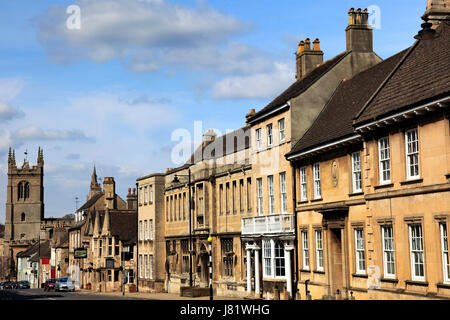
x: 336, y: 259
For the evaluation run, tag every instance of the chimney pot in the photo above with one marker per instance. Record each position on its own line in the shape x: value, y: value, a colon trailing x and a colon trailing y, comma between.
x: 307, y: 44
x: 301, y: 47
x: 316, y: 45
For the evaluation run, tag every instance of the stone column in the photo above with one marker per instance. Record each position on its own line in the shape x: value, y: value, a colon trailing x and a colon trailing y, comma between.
x: 249, y: 271
x: 287, y: 260
x: 257, y: 294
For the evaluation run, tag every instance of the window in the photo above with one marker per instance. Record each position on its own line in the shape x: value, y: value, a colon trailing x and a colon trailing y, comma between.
x: 146, y: 266
x: 384, y: 160
x: 184, y: 206
x: 130, y: 276
x: 360, y: 252
x: 249, y: 194
x: 100, y: 248
x: 175, y: 208
x: 227, y: 197
x: 145, y: 230
x: 267, y: 258
x: 22, y: 216
x: 444, y: 248
x: 110, y: 246
x: 271, y: 195
x: 317, y: 189
x: 221, y: 199
x: 412, y: 154
x: 258, y: 139
x: 110, y: 275
x: 273, y: 259
x: 116, y: 276
x: 283, y: 192
x: 356, y: 172
x: 319, y: 251
x: 185, y: 256
x: 241, y: 195
x: 388, y: 252
x: 116, y: 246
x: 234, y: 196
x: 151, y: 194
x: 140, y: 195
x: 150, y: 266
x: 151, y: 229
x: 260, y: 196
x: 281, y: 128
x: 303, y: 193
x: 145, y: 195
x: 227, y: 256
x: 269, y: 135
x: 305, y: 250
x: 140, y: 230
x: 416, y: 247
x: 167, y: 208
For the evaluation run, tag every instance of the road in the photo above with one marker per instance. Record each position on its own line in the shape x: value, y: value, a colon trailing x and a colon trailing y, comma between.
x: 40, y: 294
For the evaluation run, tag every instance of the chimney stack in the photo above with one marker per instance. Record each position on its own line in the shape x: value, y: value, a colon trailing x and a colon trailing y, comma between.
x: 359, y: 33
x: 109, y: 188
x: 307, y: 58
x: 132, y: 199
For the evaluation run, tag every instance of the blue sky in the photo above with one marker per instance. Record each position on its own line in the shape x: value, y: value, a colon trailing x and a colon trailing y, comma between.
x: 112, y: 92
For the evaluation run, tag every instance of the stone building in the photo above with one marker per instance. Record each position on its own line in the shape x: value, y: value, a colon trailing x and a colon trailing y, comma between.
x: 269, y: 234
x: 151, y: 226
x: 372, y: 182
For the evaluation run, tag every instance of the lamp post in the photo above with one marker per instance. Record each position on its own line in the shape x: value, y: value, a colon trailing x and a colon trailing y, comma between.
x: 210, y: 269
x: 176, y: 180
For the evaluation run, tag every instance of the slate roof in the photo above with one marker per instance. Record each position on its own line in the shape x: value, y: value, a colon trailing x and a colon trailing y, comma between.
x: 91, y: 202
x: 422, y: 76
x: 29, y: 251
x: 44, y: 251
x: 124, y: 225
x: 298, y: 87
x: 336, y: 119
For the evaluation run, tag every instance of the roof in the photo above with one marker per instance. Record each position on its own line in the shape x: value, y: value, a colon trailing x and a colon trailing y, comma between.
x: 422, y: 76
x: 91, y: 201
x: 336, y: 119
x: 44, y: 251
x: 29, y: 251
x: 219, y: 146
x: 124, y: 225
x: 298, y: 87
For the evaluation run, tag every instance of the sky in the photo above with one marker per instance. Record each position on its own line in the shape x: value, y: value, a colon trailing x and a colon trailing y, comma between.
x: 113, y: 85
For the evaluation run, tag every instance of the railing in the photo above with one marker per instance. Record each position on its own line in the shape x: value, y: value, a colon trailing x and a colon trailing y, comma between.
x: 270, y: 224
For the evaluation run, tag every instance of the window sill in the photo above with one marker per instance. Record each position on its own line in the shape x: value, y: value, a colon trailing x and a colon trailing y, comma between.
x: 316, y: 200
x: 354, y: 194
x: 319, y: 271
x: 302, y: 202
x: 360, y: 275
x: 391, y: 280
x: 412, y: 181
x: 417, y: 283
x: 443, y: 285
x: 382, y: 186
x: 305, y: 270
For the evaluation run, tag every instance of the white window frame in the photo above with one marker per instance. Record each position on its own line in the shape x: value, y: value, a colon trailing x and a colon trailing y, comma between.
x: 444, y: 250
x: 140, y: 195
x: 305, y: 250
x: 271, y: 195
x: 151, y: 229
x: 283, y: 192
x: 140, y: 230
x: 258, y: 139
x: 269, y: 129
x: 146, y: 266
x: 317, y: 186
x: 356, y: 172
x: 360, y: 251
x: 259, y: 193
x: 384, y: 159
x: 281, y: 129
x: 416, y: 252
x: 270, y: 260
x: 140, y: 266
x: 145, y: 195
x: 388, y: 251
x: 319, y: 250
x: 303, y: 185
x: 145, y: 230
x: 412, y: 154
x: 151, y: 193
x: 150, y: 265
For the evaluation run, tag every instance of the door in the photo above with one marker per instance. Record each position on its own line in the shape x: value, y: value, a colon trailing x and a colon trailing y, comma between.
x: 336, y: 259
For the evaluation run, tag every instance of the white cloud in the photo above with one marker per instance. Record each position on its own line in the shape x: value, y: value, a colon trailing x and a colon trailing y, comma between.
x: 260, y: 85
x: 35, y: 133
x: 10, y: 88
x: 9, y: 113
x: 6, y: 140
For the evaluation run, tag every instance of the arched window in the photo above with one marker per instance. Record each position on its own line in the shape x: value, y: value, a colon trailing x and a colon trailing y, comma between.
x: 22, y: 216
x: 26, y: 193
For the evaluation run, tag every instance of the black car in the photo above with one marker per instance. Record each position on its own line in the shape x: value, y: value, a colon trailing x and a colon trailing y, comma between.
x: 14, y: 284
x: 7, y: 285
x: 23, y: 284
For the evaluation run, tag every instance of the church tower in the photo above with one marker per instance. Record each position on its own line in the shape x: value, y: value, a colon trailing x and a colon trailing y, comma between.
x: 25, y: 199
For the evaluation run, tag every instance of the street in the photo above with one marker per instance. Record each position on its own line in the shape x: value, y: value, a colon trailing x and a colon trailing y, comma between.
x: 40, y: 294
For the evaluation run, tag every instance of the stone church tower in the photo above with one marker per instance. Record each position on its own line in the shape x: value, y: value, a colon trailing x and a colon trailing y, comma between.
x: 24, y: 203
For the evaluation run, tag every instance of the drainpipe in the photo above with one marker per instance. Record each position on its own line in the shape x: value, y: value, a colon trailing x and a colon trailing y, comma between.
x: 294, y: 198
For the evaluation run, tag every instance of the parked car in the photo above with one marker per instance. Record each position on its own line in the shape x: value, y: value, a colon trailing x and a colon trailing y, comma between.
x: 13, y: 284
x: 64, y: 284
x: 49, y: 284
x: 2, y: 285
x: 7, y: 285
x: 24, y: 284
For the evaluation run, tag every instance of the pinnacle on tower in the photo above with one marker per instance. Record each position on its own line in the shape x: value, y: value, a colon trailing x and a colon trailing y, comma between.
x: 94, y: 182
